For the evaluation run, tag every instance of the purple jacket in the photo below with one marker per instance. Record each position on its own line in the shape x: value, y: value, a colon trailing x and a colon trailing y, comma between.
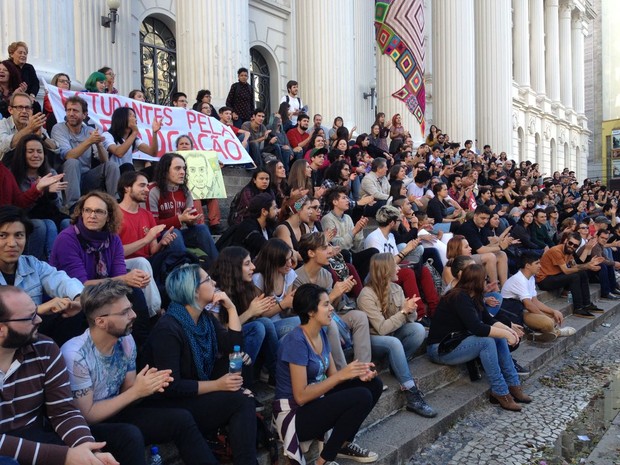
x: 69, y: 256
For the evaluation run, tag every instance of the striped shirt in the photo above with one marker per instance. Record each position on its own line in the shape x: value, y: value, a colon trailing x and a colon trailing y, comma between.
x: 37, y: 384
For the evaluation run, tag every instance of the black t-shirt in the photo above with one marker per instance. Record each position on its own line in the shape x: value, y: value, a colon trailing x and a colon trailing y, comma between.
x: 9, y: 278
x: 476, y: 237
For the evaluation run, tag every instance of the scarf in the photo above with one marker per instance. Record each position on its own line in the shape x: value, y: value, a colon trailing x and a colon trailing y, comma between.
x: 201, y: 336
x: 94, y: 243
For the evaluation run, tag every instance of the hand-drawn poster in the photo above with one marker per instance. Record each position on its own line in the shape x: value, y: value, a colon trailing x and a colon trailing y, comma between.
x: 204, y: 174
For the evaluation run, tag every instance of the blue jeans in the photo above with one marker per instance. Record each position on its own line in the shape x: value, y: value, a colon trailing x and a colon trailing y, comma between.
x: 399, y: 347
x: 199, y: 236
x: 41, y: 240
x: 261, y: 333
x: 286, y: 325
x: 494, y: 310
x: 494, y: 354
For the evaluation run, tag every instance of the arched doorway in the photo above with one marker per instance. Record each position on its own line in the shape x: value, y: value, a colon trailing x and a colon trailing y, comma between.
x: 159, y: 61
x: 260, y: 80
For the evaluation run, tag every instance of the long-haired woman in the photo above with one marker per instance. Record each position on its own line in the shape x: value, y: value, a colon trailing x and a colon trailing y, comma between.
x: 312, y: 397
x: 393, y: 330
x: 259, y: 184
x: 462, y: 330
x: 123, y: 138
x: 10, y: 82
x: 274, y: 277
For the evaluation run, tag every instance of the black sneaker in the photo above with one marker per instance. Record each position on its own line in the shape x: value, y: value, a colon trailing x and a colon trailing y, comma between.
x: 417, y: 404
x: 216, y: 229
x: 583, y: 313
x: 520, y: 370
x: 258, y: 405
x: 610, y: 296
x: 593, y: 309
x: 355, y: 452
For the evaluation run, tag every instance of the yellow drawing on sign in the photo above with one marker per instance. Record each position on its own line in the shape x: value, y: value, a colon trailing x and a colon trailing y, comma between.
x: 204, y: 174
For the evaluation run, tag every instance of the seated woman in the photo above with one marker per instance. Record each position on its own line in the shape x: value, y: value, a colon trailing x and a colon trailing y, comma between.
x: 258, y: 184
x: 458, y: 245
x: 122, y: 140
x: 393, y: 332
x: 194, y: 346
x: 274, y: 277
x: 311, y: 396
x: 296, y: 225
x: 233, y: 272
x: 522, y: 232
x: 278, y: 184
x: 91, y: 250
x: 28, y: 166
x: 10, y: 82
x: 461, y: 331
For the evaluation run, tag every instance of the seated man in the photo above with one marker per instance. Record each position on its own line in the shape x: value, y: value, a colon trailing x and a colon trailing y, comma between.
x: 258, y: 135
x: 316, y: 251
x: 226, y: 119
x: 439, y: 210
x: 40, y: 422
x: 376, y: 184
x: 20, y: 123
x: 102, y: 371
x: 142, y: 237
x: 298, y: 137
x: 477, y: 235
x: 79, y: 145
x: 253, y: 232
x: 171, y: 204
x: 606, y: 274
x: 389, y: 218
x: 349, y: 237
x: 35, y: 277
x: 558, y: 270
x: 521, y: 304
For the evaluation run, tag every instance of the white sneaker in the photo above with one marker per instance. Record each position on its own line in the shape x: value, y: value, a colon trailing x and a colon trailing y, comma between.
x: 565, y: 331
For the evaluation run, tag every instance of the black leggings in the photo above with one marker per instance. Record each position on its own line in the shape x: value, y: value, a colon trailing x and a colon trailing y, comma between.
x: 342, y: 409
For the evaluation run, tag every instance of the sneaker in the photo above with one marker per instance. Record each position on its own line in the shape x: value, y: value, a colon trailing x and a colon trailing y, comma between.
x: 417, y: 404
x: 610, y: 296
x: 331, y: 462
x: 541, y: 337
x: 583, y: 313
x: 520, y: 370
x: 355, y: 452
x: 565, y: 331
x: 216, y: 229
x: 593, y: 308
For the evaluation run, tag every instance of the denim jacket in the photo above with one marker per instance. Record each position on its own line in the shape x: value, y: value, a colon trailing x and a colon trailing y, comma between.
x: 35, y: 277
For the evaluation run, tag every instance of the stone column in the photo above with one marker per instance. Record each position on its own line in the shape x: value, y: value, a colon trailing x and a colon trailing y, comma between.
x: 537, y: 45
x: 566, y: 66
x: 44, y: 52
x: 454, y: 68
x: 493, y: 73
x: 365, y: 64
x: 212, y: 43
x: 552, y: 50
x: 326, y: 74
x: 521, y: 42
x: 578, y: 64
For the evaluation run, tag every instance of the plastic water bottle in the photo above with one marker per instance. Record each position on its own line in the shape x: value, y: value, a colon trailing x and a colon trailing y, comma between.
x: 155, y: 457
x: 235, y: 360
x: 570, y: 298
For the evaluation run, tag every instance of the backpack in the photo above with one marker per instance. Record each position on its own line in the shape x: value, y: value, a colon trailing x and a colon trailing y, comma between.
x: 288, y: 100
x: 234, y: 215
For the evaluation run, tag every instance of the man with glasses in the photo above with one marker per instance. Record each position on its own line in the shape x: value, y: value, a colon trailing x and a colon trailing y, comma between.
x: 21, y: 123
x: 79, y: 146
x: 40, y: 422
x: 106, y: 385
x: 558, y: 270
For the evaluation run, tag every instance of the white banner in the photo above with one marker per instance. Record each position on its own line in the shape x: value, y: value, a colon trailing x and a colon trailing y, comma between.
x: 207, y: 133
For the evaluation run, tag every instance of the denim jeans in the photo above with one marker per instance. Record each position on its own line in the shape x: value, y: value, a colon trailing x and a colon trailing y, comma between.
x: 199, y: 236
x: 41, y: 240
x: 494, y: 310
x: 494, y: 354
x: 399, y: 347
x: 286, y: 325
x: 261, y: 334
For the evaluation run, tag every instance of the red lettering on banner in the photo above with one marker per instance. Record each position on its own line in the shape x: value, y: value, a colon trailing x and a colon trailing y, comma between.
x: 191, y: 119
x: 168, y: 114
x: 137, y: 109
x: 105, y: 123
x: 170, y: 141
x: 232, y: 150
x: 146, y: 115
x: 107, y: 106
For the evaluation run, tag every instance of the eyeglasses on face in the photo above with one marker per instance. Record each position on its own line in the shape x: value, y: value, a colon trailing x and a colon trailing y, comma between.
x: 97, y: 212
x: 125, y: 312
x: 31, y: 318
x: 572, y: 245
x: 206, y: 280
x: 22, y: 107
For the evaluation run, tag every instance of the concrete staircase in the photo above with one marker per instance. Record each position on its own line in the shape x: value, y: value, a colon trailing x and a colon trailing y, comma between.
x: 396, y: 434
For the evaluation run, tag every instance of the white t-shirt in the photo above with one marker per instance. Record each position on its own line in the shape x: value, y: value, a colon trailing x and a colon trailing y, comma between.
x: 377, y: 240
x: 295, y: 105
x: 289, y: 279
x: 416, y: 191
x: 519, y: 287
x: 108, y: 140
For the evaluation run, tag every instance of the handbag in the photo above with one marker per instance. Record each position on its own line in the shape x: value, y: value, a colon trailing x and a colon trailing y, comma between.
x: 451, y: 341
x: 339, y: 266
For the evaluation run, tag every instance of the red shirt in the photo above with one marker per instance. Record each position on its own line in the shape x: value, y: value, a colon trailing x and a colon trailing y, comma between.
x: 135, y: 227
x: 295, y: 137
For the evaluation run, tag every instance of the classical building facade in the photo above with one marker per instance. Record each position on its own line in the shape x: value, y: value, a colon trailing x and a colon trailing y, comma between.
x: 509, y: 73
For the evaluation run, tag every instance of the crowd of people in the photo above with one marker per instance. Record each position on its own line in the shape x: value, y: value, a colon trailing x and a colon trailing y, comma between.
x: 116, y: 302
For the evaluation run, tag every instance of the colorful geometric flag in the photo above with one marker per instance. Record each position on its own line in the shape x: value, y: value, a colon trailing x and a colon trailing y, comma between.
x: 399, y: 31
